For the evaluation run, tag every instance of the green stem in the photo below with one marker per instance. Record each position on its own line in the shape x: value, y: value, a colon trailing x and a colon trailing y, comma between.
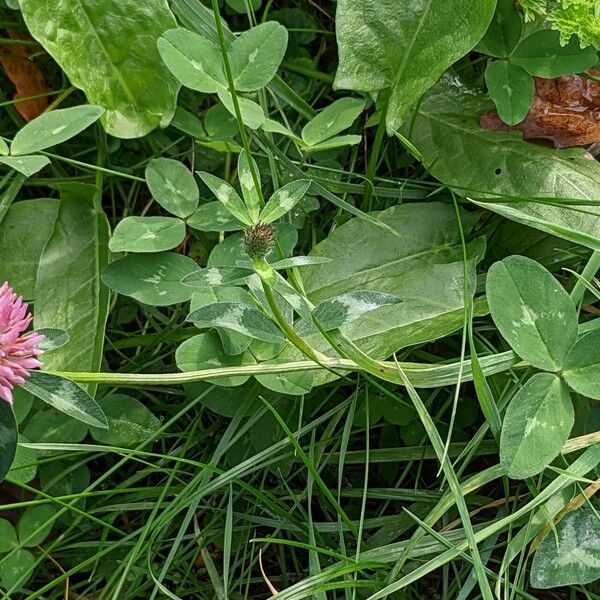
x: 234, y: 98
x: 89, y: 167
x: 420, y: 375
x: 374, y: 156
x: 59, y: 99
x: 590, y: 270
x: 292, y: 336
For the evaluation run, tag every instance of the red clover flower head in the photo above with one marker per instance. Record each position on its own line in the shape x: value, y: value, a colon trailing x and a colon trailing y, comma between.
x: 17, y: 349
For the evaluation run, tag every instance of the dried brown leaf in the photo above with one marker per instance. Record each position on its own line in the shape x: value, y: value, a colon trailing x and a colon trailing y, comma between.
x: 565, y: 110
x: 26, y: 76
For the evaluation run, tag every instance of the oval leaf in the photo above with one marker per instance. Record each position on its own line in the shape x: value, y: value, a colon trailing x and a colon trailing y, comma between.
x: 54, y: 127
x: 215, y: 276
x: 237, y: 317
x: 172, y: 186
x: 26, y: 165
x: 338, y: 311
x: 147, y: 234
x: 195, y: 61
x: 582, y: 365
x: 227, y: 196
x: 16, y: 569
x: 153, y: 279
x: 252, y: 113
x: 256, y: 55
x: 532, y: 310
x: 283, y: 200
x: 53, y: 338
x: 213, y: 216
x: 331, y: 120
x: 511, y: 89
x: 536, y: 426
x: 252, y: 196
x: 35, y: 525
x: 290, y: 383
x: 129, y: 421
x: 570, y: 554
x: 66, y: 396
x: 205, y: 351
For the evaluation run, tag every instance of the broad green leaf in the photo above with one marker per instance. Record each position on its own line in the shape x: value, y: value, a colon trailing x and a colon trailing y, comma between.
x: 536, y: 426
x: 532, y: 311
x: 404, y: 49
x: 284, y: 199
x: 20, y: 261
x: 541, y: 54
x: 252, y: 113
x: 172, y: 186
x: 581, y: 368
x: 237, y: 317
x: 205, y: 351
x: 35, y: 525
x: 331, y: 120
x: 504, y: 31
x: 293, y: 384
x: 213, y: 216
x: 54, y: 127
x: 194, y: 60
x: 147, y: 234
x: 66, y: 396
x: 227, y: 196
x: 511, y: 89
x: 215, y: 276
x: 249, y: 191
x: 8, y: 438
x: 129, y: 421
x: 571, y: 556
x: 349, y: 307
x: 107, y: 48
x: 68, y: 292
x: 3, y: 148
x: 421, y: 263
x: 256, y: 54
x: 26, y: 165
x: 49, y: 426
x: 232, y: 342
x: 17, y: 567
x: 153, y: 279
x: 503, y: 167
x: 8, y: 536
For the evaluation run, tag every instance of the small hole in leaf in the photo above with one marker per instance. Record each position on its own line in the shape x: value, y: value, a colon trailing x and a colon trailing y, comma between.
x: 498, y: 171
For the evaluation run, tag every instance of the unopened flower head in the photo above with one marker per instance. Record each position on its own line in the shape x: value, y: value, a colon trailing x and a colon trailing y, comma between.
x: 259, y: 240
x: 17, y: 348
